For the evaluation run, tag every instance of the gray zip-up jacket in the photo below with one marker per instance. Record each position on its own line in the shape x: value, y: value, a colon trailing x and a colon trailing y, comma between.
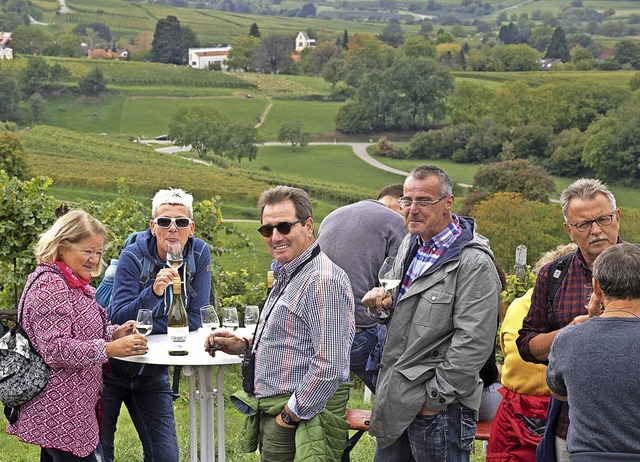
x: 439, y: 334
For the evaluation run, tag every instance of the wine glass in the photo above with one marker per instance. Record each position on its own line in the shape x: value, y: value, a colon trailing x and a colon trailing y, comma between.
x: 387, y: 280
x: 144, y: 322
x: 174, y: 255
x: 209, y: 317
x: 251, y: 316
x: 230, y: 318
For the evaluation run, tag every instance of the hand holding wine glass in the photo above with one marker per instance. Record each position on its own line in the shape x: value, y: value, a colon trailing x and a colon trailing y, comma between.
x: 387, y: 279
x: 174, y: 255
x: 144, y: 322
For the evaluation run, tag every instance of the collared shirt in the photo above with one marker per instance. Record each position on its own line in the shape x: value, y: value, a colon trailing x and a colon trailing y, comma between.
x: 429, y: 253
x: 569, y: 302
x: 303, y: 347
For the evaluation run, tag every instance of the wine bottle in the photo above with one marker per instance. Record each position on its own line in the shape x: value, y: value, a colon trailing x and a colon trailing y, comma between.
x: 269, y: 282
x: 177, y: 323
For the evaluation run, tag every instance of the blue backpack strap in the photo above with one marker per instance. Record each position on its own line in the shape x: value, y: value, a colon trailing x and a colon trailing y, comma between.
x: 147, y: 269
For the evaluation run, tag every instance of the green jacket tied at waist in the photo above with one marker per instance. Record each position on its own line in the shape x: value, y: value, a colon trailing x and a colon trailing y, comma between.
x: 319, y: 439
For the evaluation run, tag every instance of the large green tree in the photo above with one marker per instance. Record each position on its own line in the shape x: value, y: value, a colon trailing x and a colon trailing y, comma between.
x: 243, y: 50
x: 205, y: 128
x: 93, y: 83
x: 242, y: 142
x: 8, y: 98
x: 408, y: 95
x: 612, y: 148
x: 171, y: 41
x: 293, y: 132
x: 558, y: 47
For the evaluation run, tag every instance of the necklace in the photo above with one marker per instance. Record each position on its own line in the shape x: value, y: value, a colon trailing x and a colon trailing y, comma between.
x: 621, y: 311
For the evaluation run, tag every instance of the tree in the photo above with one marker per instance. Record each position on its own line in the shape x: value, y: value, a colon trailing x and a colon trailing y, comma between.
x: 558, y: 46
x: 627, y: 52
x: 8, y: 98
x: 308, y: 10
x: 409, y: 95
x: 13, y: 156
x: 243, y: 49
x: 293, y: 132
x: 470, y: 102
x: 35, y: 76
x: 392, y: 34
x: 418, y: 47
x: 101, y: 30
x: 612, y: 148
x: 344, y: 41
x: 93, y: 83
x: 28, y: 40
x: 508, y: 220
x: 322, y: 54
x: 36, y: 105
x: 254, y: 31
x: 274, y: 54
x: 171, y: 42
x: 25, y: 212
x: 205, y: 128
x: 242, y: 142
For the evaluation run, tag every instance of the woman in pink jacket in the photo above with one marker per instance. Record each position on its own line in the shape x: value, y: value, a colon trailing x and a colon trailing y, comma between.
x: 70, y: 331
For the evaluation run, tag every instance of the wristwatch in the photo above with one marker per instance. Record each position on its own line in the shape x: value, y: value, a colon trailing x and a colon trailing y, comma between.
x: 286, y: 418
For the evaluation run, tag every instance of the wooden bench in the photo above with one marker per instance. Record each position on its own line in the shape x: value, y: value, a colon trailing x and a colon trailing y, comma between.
x: 359, y: 420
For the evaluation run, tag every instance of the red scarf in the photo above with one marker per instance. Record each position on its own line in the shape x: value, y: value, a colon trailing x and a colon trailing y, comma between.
x: 74, y: 281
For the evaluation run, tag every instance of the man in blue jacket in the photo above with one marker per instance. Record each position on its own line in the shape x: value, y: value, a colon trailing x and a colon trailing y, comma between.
x: 145, y: 388
x: 441, y: 324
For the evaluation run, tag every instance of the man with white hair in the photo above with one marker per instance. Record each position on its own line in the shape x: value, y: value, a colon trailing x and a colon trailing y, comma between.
x: 145, y: 388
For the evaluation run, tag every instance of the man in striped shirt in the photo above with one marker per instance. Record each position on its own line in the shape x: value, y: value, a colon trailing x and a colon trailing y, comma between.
x: 303, y: 340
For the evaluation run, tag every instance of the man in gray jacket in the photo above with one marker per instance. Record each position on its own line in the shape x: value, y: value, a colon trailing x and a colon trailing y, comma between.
x: 441, y: 324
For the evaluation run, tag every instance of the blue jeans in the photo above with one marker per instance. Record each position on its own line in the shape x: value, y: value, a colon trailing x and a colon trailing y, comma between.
x: 365, y: 356
x: 149, y: 399
x: 444, y: 437
x: 56, y: 455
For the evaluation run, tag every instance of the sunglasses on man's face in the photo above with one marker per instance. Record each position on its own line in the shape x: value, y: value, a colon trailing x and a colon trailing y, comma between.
x: 283, y: 227
x: 165, y: 222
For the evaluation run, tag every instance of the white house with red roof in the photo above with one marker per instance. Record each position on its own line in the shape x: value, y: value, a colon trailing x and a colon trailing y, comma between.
x: 206, y: 58
x: 5, y: 51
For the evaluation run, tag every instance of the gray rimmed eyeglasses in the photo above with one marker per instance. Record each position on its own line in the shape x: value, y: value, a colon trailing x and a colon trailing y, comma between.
x: 404, y: 202
x: 604, y: 220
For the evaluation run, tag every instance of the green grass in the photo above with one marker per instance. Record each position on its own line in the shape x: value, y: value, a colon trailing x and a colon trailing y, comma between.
x: 140, y: 115
x: 335, y: 164
x: 317, y: 117
x: 128, y: 447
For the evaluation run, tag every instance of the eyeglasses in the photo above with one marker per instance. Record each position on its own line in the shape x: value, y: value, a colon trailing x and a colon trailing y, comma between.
x: 602, y: 221
x: 405, y: 202
x: 166, y: 222
x: 283, y: 227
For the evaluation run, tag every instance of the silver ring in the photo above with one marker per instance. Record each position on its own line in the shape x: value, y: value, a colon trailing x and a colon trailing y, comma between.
x: 136, y: 347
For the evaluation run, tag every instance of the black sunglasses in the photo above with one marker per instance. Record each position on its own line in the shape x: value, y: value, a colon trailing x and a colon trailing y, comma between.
x: 283, y: 227
x: 165, y: 222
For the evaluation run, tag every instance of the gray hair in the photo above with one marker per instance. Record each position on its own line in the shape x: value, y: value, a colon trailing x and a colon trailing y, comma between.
x: 421, y: 172
x: 172, y: 196
x: 299, y: 197
x: 70, y: 228
x: 617, y: 271
x: 584, y: 188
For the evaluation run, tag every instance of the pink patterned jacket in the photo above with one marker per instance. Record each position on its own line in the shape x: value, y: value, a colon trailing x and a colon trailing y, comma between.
x: 69, y: 329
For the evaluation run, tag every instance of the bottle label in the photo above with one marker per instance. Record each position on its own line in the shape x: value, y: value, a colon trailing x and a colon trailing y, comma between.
x: 178, y: 337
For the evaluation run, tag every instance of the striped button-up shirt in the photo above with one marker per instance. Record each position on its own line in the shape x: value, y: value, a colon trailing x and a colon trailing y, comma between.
x: 303, y: 347
x: 428, y: 254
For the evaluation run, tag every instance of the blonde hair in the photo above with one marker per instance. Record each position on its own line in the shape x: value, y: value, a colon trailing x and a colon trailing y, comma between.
x: 172, y: 196
x: 554, y: 254
x: 70, y: 228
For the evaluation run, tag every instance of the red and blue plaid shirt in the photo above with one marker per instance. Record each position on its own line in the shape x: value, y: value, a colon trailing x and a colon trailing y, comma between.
x: 568, y: 302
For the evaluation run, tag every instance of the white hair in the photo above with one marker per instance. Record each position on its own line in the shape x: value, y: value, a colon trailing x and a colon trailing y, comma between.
x: 172, y: 196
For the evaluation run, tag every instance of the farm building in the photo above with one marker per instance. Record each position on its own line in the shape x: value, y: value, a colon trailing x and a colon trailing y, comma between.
x: 5, y: 51
x: 304, y: 41
x: 205, y: 58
